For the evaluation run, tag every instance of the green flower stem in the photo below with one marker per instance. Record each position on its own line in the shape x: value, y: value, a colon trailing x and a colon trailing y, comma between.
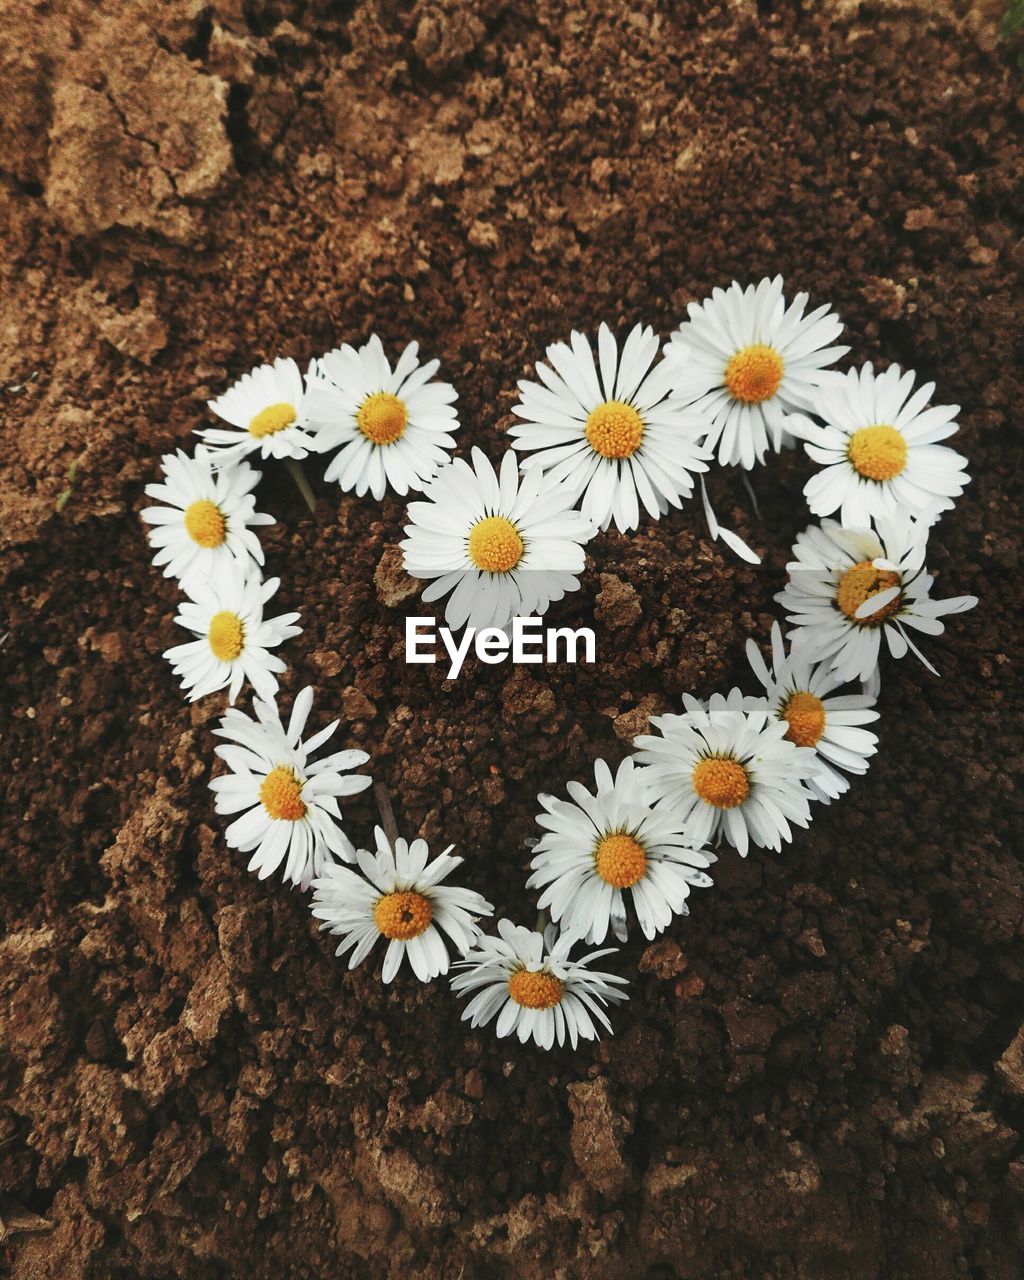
x: 387, y: 814
x: 302, y: 484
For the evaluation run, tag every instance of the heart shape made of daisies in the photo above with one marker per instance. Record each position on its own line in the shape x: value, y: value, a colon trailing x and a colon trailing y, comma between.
x: 605, y: 435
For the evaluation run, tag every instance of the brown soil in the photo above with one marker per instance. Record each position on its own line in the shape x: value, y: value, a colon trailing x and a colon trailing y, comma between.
x: 821, y: 1074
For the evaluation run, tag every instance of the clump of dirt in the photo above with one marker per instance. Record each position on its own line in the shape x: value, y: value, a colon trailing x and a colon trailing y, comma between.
x: 819, y: 1073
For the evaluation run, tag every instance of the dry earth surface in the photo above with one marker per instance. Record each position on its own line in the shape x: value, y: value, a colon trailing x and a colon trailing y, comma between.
x: 821, y: 1073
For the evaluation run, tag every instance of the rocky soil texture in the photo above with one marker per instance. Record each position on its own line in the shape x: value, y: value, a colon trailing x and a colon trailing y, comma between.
x: 821, y: 1073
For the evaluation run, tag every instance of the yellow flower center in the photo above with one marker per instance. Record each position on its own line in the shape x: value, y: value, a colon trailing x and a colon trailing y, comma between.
x: 205, y: 524
x: 861, y: 583
x: 226, y: 636
x: 878, y: 453
x: 382, y: 418
x: 535, y: 990
x: 620, y: 860
x: 281, y: 795
x: 403, y: 915
x: 754, y: 374
x: 495, y: 545
x: 805, y: 715
x: 274, y: 418
x: 615, y: 429
x: 721, y: 781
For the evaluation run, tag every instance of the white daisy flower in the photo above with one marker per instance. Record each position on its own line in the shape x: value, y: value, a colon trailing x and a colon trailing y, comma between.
x: 208, y: 518
x: 727, y: 767
x: 879, y: 449
x: 800, y: 693
x: 267, y: 408
x: 745, y: 360
x: 393, y: 427
x: 226, y: 613
x: 617, y: 437
x: 606, y: 843
x: 291, y: 804
x: 536, y: 990
x: 504, y: 545
x: 399, y: 896
x: 847, y: 587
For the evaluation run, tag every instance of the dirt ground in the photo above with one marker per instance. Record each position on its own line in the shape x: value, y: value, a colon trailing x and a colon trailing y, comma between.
x: 819, y: 1074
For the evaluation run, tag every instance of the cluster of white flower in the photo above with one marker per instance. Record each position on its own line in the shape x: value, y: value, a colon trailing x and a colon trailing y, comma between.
x: 603, y: 438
